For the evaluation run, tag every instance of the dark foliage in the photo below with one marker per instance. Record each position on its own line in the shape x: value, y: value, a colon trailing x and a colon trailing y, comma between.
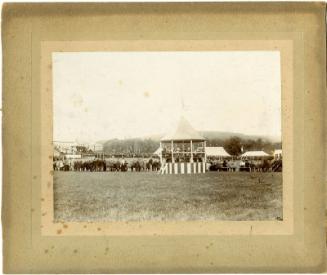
x: 145, y: 147
x: 130, y: 147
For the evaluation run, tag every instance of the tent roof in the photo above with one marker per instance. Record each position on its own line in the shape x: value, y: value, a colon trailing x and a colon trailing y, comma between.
x: 56, y: 152
x: 216, y: 152
x: 184, y: 131
x: 158, y: 151
x: 255, y: 154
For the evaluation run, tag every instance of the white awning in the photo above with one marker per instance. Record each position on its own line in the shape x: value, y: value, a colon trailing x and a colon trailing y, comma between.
x: 72, y: 156
x: 158, y: 152
x: 216, y: 152
x: 255, y: 154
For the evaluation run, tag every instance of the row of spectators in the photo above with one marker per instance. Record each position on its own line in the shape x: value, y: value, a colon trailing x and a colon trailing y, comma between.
x: 98, y: 165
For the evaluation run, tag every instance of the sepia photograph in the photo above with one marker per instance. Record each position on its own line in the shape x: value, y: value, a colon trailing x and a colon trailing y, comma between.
x: 171, y: 138
x: 167, y: 136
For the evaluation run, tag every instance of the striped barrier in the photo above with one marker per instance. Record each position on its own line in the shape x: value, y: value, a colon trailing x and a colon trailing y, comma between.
x: 183, y: 168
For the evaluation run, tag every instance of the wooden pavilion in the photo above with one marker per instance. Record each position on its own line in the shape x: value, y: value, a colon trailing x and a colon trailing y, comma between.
x: 183, y: 150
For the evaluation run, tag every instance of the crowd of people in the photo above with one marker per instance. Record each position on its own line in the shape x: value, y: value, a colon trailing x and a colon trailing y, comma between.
x: 264, y: 165
x: 111, y: 164
x: 152, y: 164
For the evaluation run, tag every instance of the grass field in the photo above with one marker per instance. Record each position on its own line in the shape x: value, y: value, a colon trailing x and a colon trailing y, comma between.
x: 113, y: 196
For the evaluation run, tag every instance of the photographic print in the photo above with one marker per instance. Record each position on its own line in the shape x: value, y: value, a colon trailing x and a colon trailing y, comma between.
x: 163, y: 138
x: 167, y: 136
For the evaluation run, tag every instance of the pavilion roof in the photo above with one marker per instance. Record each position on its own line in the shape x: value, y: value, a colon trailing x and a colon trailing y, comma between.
x: 184, y: 131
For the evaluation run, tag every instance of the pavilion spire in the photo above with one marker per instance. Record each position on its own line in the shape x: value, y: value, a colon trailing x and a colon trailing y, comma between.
x: 183, y: 131
x: 183, y: 106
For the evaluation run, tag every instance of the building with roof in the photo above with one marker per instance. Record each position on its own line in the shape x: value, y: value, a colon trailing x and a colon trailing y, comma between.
x: 217, y: 152
x: 278, y: 154
x: 183, y: 150
x: 65, y: 147
x: 96, y: 147
x: 56, y: 153
x: 157, y: 152
x: 255, y: 155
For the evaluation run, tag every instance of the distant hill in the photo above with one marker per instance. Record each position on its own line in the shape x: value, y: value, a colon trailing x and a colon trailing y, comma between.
x: 149, y: 144
x: 225, y: 135
x: 208, y: 135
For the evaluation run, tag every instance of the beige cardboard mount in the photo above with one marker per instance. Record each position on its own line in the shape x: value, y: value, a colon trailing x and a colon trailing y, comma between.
x: 33, y: 243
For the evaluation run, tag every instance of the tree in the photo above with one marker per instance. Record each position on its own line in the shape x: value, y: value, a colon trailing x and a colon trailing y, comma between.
x: 233, y: 146
x: 81, y: 149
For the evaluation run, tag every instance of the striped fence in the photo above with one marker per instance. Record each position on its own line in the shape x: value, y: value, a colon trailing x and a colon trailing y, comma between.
x: 183, y: 168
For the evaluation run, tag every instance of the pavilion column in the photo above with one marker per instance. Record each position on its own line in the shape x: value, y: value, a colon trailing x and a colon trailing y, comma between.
x: 191, y: 159
x: 172, y: 152
x: 160, y: 153
x: 204, y: 148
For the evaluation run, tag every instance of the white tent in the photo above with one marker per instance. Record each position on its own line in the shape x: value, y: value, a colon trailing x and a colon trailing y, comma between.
x: 216, y: 152
x: 73, y: 156
x: 158, y: 152
x: 255, y: 154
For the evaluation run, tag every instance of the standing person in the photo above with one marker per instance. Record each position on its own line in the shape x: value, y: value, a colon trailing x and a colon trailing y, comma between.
x: 61, y: 164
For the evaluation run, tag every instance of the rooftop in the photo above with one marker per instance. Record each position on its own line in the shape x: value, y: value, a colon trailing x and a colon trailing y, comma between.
x: 184, y: 131
x: 216, y: 151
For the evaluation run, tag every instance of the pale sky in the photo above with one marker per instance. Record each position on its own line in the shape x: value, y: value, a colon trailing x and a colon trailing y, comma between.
x: 105, y: 95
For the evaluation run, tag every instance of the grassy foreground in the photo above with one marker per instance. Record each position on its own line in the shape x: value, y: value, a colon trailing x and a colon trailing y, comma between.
x: 113, y: 196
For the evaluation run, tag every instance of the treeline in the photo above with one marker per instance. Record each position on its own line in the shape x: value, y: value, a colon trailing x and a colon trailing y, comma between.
x: 135, y: 146
x: 233, y: 145
x: 236, y: 145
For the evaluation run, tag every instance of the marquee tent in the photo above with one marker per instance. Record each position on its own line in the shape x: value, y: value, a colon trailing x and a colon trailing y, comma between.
x: 216, y: 152
x: 254, y: 154
x: 158, y: 152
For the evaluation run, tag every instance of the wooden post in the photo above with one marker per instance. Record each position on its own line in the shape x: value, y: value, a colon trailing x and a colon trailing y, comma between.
x: 191, y: 159
x: 205, y: 155
x: 160, y: 153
